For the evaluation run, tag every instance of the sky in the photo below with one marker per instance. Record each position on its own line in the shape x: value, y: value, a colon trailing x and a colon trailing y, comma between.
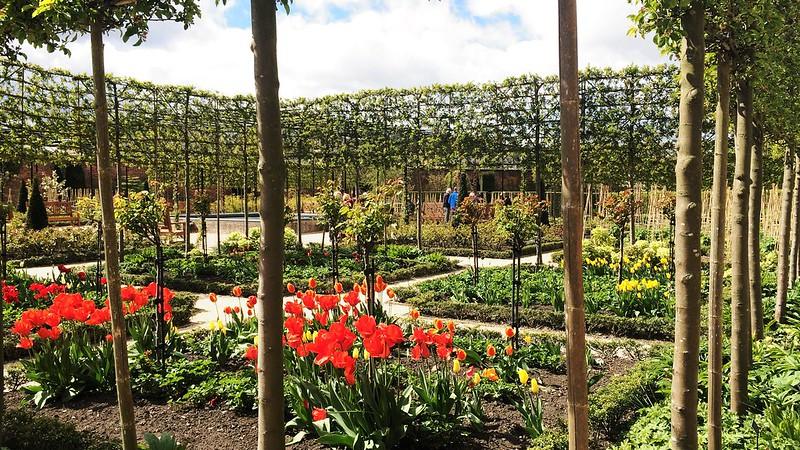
x: 332, y: 46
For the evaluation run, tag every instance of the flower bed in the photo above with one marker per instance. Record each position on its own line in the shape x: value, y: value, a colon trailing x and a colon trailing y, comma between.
x: 337, y: 358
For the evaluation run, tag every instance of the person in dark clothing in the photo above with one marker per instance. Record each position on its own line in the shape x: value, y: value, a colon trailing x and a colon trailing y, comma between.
x: 446, y: 204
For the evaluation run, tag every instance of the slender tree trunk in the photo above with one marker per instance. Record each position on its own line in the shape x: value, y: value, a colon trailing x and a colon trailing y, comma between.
x: 3, y: 274
x: 688, y: 206
x: 795, y: 226
x: 754, y: 232
x: 104, y: 175
x: 717, y: 264
x: 572, y: 213
x: 272, y: 177
x: 740, y: 281
x: 783, y: 238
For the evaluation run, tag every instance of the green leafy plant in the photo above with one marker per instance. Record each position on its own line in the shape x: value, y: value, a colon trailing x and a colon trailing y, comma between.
x: 36, y: 218
x: 62, y: 370
x: 166, y: 441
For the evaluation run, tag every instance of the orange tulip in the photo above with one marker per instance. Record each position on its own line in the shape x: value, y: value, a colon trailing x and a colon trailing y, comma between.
x: 491, y: 351
x: 509, y: 350
x: 438, y: 324
x: 338, y: 287
x: 490, y: 374
x: 290, y: 287
x: 390, y: 293
x: 461, y: 354
x: 509, y: 332
x: 414, y: 314
x: 312, y: 283
x: 451, y: 326
x: 213, y: 297
x: 237, y: 291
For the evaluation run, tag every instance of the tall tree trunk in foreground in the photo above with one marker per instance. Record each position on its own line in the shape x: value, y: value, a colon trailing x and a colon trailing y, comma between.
x: 572, y: 213
x: 104, y: 175
x: 795, y: 226
x: 272, y: 177
x: 740, y: 279
x: 688, y: 183
x: 719, y: 196
x: 754, y: 236
x: 783, y: 238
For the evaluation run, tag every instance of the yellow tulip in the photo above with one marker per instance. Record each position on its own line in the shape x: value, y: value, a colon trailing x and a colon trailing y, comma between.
x: 456, y: 366
x: 366, y: 355
x: 212, y: 325
x: 221, y: 326
x: 523, y: 376
x: 476, y: 378
x: 355, y: 353
x: 528, y: 339
x: 534, y: 386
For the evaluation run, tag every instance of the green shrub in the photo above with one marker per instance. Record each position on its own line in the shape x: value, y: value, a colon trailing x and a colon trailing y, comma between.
x: 636, y: 389
x: 183, y: 308
x: 24, y: 431
x: 181, y: 374
x: 52, y: 245
x: 36, y: 218
x: 550, y: 440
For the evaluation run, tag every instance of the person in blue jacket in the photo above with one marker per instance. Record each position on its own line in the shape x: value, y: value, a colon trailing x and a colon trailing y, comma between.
x: 453, y: 201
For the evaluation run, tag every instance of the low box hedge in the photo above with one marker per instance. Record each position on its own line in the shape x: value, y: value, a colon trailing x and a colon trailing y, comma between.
x: 199, y: 285
x: 528, y: 250
x: 612, y: 405
x: 23, y: 430
x: 657, y: 328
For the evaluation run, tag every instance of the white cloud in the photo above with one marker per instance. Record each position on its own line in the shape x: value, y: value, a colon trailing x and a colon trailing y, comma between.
x: 371, y: 44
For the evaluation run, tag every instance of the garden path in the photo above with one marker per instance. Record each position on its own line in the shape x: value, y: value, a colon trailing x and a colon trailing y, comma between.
x: 207, y: 311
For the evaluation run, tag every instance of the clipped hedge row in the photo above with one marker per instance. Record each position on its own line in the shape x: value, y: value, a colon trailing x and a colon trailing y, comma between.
x: 612, y: 405
x: 23, y: 430
x: 528, y: 250
x: 199, y: 285
x: 633, y: 327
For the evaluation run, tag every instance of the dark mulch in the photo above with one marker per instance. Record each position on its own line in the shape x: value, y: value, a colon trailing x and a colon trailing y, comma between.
x: 221, y: 429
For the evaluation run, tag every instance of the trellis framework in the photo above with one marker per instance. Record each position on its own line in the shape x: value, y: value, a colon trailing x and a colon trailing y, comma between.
x: 188, y: 139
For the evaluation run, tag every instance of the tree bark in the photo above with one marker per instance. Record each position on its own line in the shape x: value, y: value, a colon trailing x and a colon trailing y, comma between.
x: 572, y: 213
x: 688, y: 206
x: 272, y: 177
x: 740, y: 281
x: 784, y: 237
x: 717, y: 264
x: 104, y: 175
x: 754, y: 235
x: 795, y: 226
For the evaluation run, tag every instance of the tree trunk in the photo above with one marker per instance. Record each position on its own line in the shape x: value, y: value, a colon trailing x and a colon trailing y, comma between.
x: 688, y: 206
x: 740, y: 280
x: 572, y: 213
x: 272, y: 177
x: 783, y: 238
x: 717, y: 264
x: 754, y: 235
x: 795, y: 226
x: 3, y: 274
x: 104, y: 175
